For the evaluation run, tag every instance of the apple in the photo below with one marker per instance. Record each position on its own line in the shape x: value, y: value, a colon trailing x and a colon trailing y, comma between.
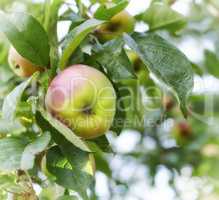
x: 139, y: 67
x: 20, y: 65
x: 118, y: 24
x: 182, y: 132
x: 168, y: 102
x: 136, y: 61
x: 84, y: 99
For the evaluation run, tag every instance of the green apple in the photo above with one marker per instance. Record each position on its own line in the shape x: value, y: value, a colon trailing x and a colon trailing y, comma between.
x: 136, y: 61
x: 20, y: 65
x: 84, y: 99
x: 120, y: 23
x: 139, y: 67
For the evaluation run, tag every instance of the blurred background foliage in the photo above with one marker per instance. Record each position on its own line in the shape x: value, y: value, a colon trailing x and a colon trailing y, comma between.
x: 183, y: 150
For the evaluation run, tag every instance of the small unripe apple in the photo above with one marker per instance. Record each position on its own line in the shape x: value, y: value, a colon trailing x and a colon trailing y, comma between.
x: 20, y: 65
x: 118, y: 24
x: 84, y: 99
x: 139, y: 67
x: 136, y: 61
x: 168, y: 102
x: 182, y: 132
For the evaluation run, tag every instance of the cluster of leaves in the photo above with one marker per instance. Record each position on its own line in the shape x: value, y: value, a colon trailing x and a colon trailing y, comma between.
x: 36, y: 148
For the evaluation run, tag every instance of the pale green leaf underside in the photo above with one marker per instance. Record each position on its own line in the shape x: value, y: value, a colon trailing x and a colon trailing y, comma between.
x: 32, y: 149
x: 65, y: 131
x: 11, y: 150
x: 12, y: 100
x: 75, y: 37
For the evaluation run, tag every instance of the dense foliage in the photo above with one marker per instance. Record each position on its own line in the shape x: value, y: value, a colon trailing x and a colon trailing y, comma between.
x: 153, y: 79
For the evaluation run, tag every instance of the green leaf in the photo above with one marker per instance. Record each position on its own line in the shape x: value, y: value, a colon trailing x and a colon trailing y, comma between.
x: 103, y: 143
x: 166, y: 62
x: 75, y: 37
x: 98, y: 1
x: 51, y: 192
x: 65, y: 131
x: 12, y: 100
x: 211, y: 63
x: 68, y: 198
x: 50, y: 24
x: 8, y: 183
x: 161, y: 16
x: 32, y: 149
x: 27, y: 36
x: 70, y: 15
x: 68, y: 170
x: 106, y: 13
x: 119, y: 119
x: 130, y: 98
x: 113, y: 58
x: 11, y: 127
x: 130, y: 109
x: 100, y: 159
x: 5, y: 74
x: 11, y: 150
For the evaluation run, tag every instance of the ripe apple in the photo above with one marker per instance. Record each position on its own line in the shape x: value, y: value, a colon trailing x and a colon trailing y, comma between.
x: 20, y: 65
x: 84, y: 99
x: 120, y: 23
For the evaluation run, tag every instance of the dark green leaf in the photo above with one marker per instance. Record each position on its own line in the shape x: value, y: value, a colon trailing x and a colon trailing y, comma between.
x: 103, y: 143
x: 119, y: 119
x: 67, y: 171
x: 113, y: 58
x: 212, y: 63
x: 197, y: 69
x: 27, y: 36
x: 164, y: 60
